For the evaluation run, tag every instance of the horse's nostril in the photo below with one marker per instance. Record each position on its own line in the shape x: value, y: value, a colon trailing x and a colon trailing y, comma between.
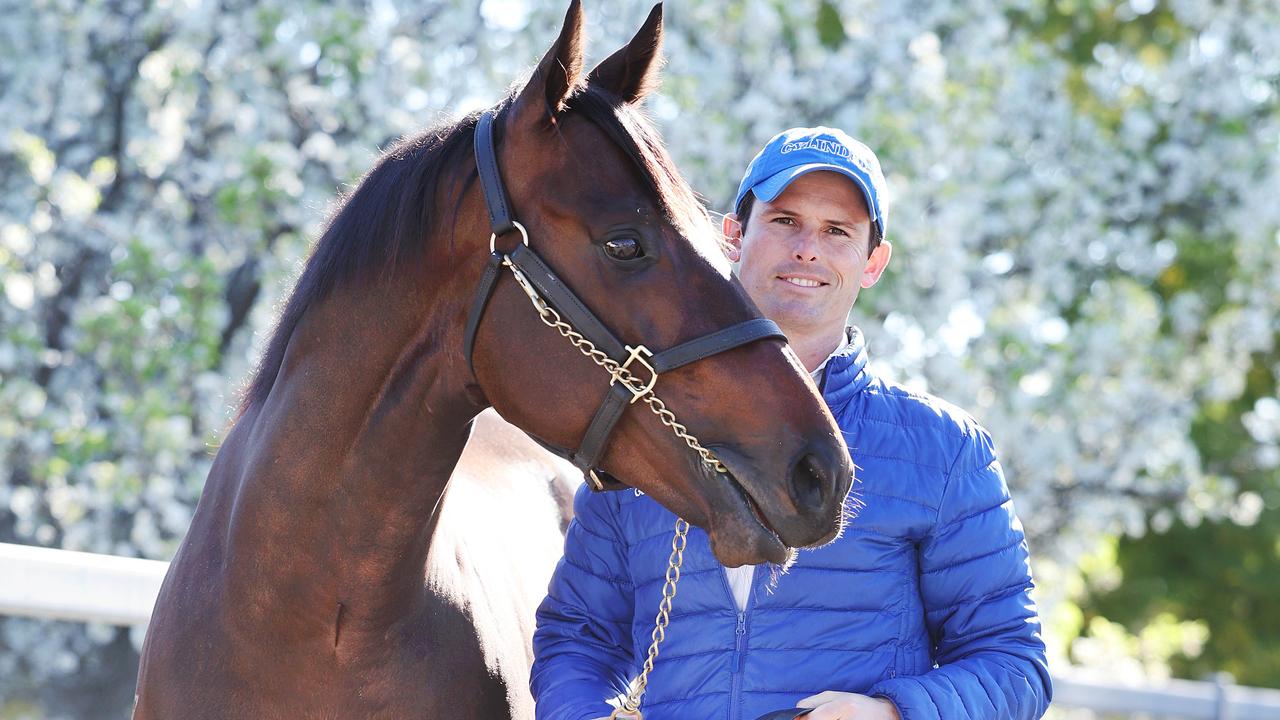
x: 808, y: 481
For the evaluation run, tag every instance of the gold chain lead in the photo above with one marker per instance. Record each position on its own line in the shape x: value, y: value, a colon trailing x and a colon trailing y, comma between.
x: 643, y: 391
x: 631, y: 706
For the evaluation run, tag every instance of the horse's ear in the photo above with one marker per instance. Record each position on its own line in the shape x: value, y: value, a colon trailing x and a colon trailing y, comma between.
x: 557, y: 75
x: 632, y: 72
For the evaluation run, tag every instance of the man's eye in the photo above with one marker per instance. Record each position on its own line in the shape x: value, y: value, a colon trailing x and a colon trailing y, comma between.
x: 624, y: 248
x: 785, y: 221
x: 837, y: 231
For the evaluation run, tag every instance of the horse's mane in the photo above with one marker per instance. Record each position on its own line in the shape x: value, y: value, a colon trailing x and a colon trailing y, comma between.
x: 383, y: 223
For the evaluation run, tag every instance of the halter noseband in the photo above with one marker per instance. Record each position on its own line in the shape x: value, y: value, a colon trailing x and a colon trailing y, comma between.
x: 544, y: 286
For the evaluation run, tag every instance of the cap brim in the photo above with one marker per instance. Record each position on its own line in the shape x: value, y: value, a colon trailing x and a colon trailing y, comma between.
x: 772, y: 186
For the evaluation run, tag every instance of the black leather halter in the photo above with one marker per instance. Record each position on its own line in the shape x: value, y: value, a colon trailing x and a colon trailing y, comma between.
x: 575, y: 312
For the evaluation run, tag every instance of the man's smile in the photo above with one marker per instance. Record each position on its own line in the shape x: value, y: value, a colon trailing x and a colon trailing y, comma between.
x: 804, y: 281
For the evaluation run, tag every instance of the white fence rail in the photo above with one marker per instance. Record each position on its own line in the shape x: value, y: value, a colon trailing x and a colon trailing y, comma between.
x: 84, y: 587
x: 1167, y: 699
x: 66, y: 585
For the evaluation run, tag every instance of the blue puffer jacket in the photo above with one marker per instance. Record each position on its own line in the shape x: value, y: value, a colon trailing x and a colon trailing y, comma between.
x: 925, y: 599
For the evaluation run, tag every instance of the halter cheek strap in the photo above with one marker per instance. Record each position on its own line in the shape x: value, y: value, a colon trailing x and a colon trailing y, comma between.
x: 495, y: 193
x: 639, y: 368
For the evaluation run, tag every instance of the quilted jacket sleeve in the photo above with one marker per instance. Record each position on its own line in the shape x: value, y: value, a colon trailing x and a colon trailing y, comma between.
x: 975, y: 580
x: 582, y: 645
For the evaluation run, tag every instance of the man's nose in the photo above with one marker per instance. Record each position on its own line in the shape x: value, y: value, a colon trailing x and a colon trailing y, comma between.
x: 806, y: 247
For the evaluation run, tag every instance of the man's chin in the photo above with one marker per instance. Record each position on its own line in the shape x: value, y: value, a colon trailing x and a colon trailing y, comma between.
x: 799, y: 312
x: 801, y: 319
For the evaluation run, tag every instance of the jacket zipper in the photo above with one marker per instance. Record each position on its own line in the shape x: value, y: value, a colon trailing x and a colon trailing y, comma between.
x: 739, y: 644
x: 739, y: 633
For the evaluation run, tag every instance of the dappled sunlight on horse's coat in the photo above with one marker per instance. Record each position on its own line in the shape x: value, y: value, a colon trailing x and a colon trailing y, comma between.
x: 302, y: 589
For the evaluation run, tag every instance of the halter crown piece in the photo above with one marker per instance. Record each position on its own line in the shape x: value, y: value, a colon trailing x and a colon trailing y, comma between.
x: 633, y: 369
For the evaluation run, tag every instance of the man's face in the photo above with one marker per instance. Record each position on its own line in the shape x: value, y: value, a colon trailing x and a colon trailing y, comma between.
x: 804, y: 255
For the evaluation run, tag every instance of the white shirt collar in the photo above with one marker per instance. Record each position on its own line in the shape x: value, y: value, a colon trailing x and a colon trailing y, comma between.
x: 817, y: 372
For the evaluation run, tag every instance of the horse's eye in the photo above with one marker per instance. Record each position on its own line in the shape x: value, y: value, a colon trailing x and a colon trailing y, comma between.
x: 624, y: 248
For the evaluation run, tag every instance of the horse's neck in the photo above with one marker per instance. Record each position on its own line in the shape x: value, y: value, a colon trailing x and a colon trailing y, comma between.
x: 341, y: 466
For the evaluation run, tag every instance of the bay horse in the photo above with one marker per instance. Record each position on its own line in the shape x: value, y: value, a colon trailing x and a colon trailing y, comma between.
x: 301, y: 588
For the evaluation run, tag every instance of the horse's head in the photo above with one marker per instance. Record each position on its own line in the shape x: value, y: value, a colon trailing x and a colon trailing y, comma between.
x: 604, y: 207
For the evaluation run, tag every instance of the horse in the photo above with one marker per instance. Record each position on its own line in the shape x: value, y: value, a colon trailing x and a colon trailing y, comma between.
x: 301, y: 589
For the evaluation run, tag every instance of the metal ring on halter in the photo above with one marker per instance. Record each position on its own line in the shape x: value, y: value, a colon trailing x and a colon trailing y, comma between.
x: 524, y: 235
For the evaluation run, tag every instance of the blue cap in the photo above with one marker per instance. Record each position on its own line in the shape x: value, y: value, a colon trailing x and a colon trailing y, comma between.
x: 792, y: 153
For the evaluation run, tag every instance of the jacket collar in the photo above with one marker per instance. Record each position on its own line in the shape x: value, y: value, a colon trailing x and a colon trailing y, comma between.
x: 846, y: 372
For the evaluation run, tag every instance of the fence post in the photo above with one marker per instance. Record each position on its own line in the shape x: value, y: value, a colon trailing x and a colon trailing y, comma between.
x: 1222, y: 704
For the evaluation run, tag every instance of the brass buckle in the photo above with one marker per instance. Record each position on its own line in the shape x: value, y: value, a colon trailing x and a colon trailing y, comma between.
x: 596, y: 483
x: 638, y: 354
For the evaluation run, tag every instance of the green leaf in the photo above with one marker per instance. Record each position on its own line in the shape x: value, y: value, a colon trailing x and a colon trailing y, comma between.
x: 830, y: 26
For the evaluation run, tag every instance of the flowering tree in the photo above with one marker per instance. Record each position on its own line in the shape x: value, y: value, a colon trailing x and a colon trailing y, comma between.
x: 1083, y: 207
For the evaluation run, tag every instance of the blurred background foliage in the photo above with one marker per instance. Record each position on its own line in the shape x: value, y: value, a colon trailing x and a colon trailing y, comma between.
x: 1084, y: 207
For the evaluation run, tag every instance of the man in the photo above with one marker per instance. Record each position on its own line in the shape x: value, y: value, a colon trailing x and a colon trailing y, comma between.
x: 920, y: 610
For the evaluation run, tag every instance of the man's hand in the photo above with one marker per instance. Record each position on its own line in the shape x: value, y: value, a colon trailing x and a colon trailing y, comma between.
x: 831, y: 705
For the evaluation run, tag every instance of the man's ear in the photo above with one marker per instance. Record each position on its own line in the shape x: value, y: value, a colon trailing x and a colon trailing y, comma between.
x: 556, y: 77
x: 876, y: 264
x: 632, y: 72
x: 732, y: 237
